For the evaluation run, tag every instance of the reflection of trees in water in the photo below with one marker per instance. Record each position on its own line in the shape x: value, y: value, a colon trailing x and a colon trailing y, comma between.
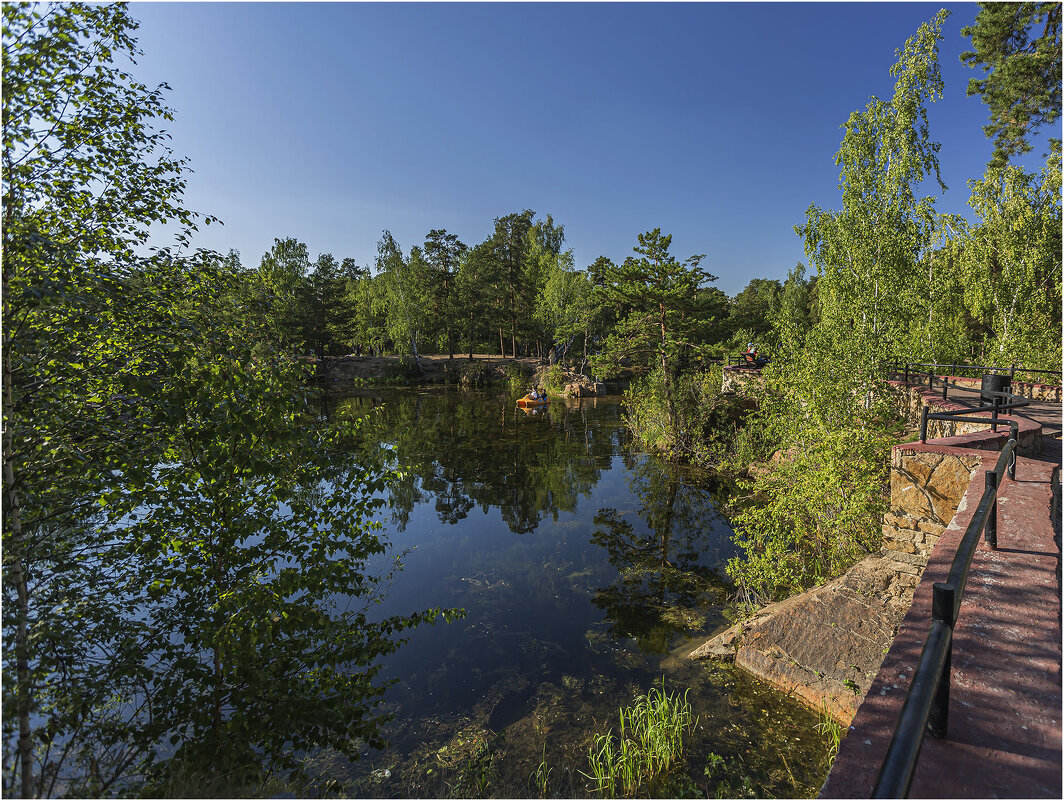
x: 664, y: 577
x: 467, y: 450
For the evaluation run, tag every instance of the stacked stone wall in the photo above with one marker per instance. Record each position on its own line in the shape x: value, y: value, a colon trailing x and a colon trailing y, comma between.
x: 926, y: 488
x: 928, y: 480
x: 741, y: 379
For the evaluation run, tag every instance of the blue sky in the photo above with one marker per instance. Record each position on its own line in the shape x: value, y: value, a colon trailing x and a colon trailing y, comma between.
x: 716, y: 122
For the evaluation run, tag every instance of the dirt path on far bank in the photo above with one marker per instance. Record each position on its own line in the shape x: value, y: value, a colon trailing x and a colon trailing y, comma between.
x: 370, y: 367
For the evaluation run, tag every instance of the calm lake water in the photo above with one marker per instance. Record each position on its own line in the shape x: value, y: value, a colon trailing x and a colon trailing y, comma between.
x: 587, y: 571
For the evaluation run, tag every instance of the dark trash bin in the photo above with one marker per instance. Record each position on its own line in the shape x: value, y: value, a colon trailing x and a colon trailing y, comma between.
x: 993, y: 382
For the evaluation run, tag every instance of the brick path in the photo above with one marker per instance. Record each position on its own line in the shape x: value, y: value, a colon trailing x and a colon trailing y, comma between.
x: 1004, y: 736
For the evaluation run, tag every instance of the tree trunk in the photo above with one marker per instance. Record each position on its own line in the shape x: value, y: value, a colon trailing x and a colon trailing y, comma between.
x: 18, y: 577
x: 502, y: 345
x: 665, y: 374
x: 417, y: 358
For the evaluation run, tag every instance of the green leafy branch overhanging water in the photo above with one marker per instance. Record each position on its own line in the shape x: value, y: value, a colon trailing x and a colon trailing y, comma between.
x: 175, y: 533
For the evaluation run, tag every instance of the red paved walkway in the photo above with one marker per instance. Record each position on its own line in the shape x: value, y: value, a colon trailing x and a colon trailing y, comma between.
x: 1005, y: 704
x: 1048, y: 415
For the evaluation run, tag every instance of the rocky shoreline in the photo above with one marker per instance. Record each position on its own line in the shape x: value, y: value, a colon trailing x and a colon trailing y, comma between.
x: 825, y: 645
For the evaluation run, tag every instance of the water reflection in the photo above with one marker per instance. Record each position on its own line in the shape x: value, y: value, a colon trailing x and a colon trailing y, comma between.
x: 584, y: 569
x: 466, y: 450
x: 667, y: 570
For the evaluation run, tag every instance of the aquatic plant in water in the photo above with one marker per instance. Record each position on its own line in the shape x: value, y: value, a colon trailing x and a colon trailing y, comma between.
x: 649, y: 745
x: 832, y: 733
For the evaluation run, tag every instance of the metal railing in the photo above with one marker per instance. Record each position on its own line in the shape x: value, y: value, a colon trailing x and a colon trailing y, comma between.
x: 1001, y: 401
x: 964, y: 415
x: 926, y: 707
x: 728, y: 360
x: 955, y: 368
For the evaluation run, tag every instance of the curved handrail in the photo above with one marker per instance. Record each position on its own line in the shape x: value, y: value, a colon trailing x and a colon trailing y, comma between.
x: 926, y: 707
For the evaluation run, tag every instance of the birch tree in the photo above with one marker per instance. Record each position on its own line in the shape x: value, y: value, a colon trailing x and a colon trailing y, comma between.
x: 868, y: 254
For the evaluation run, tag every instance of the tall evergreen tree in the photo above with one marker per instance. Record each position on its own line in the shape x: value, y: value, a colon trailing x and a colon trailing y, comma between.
x: 1017, y: 46
x: 509, y: 249
x: 443, y: 252
x: 664, y: 306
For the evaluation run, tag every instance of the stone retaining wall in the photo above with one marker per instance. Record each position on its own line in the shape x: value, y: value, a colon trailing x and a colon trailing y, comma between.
x: 928, y: 480
x: 740, y: 379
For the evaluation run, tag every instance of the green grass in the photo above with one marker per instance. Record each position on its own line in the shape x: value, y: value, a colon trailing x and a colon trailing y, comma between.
x: 540, y: 778
x: 832, y: 733
x: 650, y: 744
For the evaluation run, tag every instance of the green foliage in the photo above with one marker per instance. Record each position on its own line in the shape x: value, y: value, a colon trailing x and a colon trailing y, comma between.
x: 175, y: 533
x: 477, y: 772
x: 1022, y: 83
x: 832, y: 733
x: 323, y: 321
x: 403, y: 294
x: 1010, y: 265
x: 752, y: 311
x: 663, y: 309
x: 404, y: 371
x: 474, y: 375
x: 565, y: 307
x: 706, y: 426
x: 554, y: 380
x: 811, y: 514
x: 282, y: 272
x: 871, y: 286
x: 517, y: 379
x: 474, y: 287
x: 507, y: 252
x: 798, y: 310
x: 443, y: 253
x: 649, y: 745
x: 88, y: 332
x: 540, y: 778
x: 881, y: 292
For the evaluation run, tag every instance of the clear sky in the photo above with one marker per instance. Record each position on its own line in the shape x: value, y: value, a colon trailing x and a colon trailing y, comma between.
x: 716, y: 122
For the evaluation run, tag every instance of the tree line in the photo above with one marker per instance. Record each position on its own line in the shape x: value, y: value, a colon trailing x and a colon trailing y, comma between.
x: 517, y: 293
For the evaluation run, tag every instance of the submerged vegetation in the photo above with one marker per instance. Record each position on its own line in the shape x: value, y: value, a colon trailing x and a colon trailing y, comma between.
x: 648, y: 744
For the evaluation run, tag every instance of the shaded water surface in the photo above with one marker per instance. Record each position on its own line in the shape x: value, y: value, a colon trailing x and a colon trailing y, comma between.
x: 587, y: 571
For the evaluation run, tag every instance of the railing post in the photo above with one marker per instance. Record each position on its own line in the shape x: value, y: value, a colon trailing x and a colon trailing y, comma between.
x: 990, y: 529
x: 923, y: 425
x: 994, y: 414
x: 906, y: 372
x: 943, y: 608
x: 945, y: 384
x: 1014, y: 436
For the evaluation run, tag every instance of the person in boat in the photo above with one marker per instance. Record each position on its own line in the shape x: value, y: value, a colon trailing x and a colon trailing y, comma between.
x: 533, y: 395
